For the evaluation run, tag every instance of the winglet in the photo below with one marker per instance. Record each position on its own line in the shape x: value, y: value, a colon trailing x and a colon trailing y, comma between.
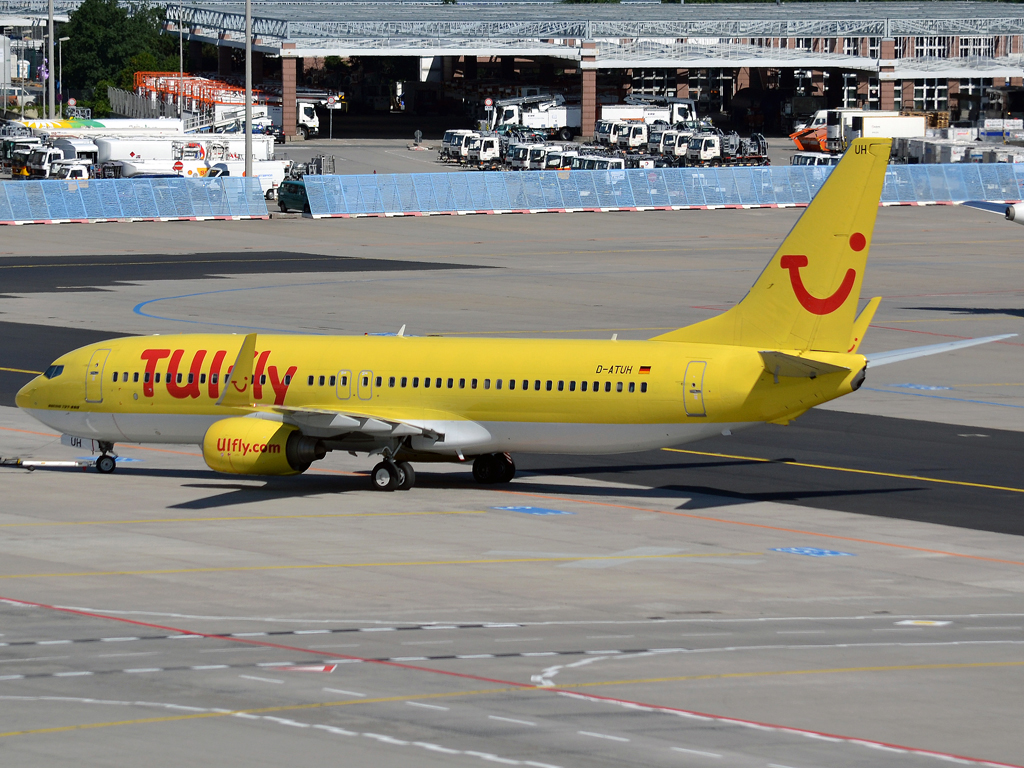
x: 860, y: 325
x: 240, y: 374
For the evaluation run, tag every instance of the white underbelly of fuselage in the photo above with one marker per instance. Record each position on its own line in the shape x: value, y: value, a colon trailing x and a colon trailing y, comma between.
x: 483, y: 437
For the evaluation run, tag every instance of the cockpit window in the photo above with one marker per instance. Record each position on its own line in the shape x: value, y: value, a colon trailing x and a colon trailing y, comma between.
x: 53, y: 371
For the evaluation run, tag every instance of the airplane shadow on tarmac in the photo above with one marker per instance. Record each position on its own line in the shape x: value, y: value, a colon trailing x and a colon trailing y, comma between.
x: 972, y: 310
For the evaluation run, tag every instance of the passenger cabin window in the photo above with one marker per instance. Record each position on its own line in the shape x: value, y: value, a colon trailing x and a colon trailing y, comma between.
x: 215, y: 376
x: 309, y: 381
x: 177, y: 379
x: 332, y: 380
x: 643, y: 386
x: 287, y: 379
x: 632, y: 386
x: 322, y: 380
x: 426, y: 382
x: 366, y: 381
x: 497, y: 384
x: 391, y: 381
x: 451, y: 383
x: 202, y: 378
x: 156, y: 379
x: 415, y: 381
x: 547, y: 386
x: 146, y: 378
x: 344, y: 381
x: 405, y: 381
x: 462, y: 383
x: 191, y: 378
x: 511, y: 384
x: 437, y: 382
x: 572, y: 386
x: 472, y: 384
x: 536, y: 385
x: 607, y: 386
x: 618, y: 387
x: 487, y: 383
x: 526, y: 385
x: 135, y: 378
x: 379, y: 381
x: 583, y: 386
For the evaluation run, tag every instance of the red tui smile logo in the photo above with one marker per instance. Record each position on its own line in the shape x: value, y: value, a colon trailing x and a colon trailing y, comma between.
x: 794, y: 263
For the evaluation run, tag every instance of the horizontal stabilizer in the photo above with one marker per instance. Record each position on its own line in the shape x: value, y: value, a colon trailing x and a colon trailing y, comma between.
x: 780, y: 364
x: 983, y: 205
x: 899, y: 355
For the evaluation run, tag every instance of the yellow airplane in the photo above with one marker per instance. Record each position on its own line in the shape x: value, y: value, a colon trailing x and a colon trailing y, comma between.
x: 274, y: 404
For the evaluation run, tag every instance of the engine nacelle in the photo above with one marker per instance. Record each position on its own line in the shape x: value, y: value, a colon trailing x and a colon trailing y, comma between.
x: 1015, y: 213
x: 245, y: 446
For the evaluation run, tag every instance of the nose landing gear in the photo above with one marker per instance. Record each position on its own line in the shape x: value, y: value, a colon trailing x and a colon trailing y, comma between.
x: 391, y: 475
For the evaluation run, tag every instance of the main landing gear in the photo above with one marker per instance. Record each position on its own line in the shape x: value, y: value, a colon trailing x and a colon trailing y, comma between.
x: 107, y: 461
x: 494, y: 468
x: 391, y: 475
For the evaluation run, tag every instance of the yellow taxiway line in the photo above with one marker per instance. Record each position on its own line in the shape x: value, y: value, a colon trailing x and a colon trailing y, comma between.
x: 234, y: 519
x: 851, y: 470
x: 19, y: 370
x: 397, y: 564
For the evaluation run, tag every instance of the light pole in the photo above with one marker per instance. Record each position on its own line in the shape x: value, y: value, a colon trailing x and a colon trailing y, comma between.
x: 60, y: 71
x: 248, y: 90
x: 49, y: 60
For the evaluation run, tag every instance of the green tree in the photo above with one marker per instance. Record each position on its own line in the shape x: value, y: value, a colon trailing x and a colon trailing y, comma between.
x: 105, y: 37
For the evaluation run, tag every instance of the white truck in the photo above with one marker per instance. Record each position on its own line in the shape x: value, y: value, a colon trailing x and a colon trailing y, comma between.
x: 270, y: 172
x: 199, y: 147
x: 519, y: 155
x: 870, y: 126
x: 633, y: 136
x: 71, y: 169
x: 485, y: 152
x: 548, y: 114
x: 719, y: 148
x: 668, y: 110
x: 451, y: 144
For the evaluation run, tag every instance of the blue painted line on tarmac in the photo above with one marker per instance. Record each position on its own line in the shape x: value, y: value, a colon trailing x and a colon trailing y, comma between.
x: 812, y: 552
x: 541, y: 511
x: 944, y: 397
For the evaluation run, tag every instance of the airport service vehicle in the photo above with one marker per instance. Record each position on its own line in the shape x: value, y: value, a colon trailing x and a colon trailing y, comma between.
x: 271, y: 173
x: 548, y: 114
x: 597, y: 163
x: 607, y: 132
x: 292, y: 196
x: 539, y: 156
x: 10, y: 145
x: 814, y: 158
x: 268, y: 404
x: 519, y: 155
x: 650, y: 110
x: 869, y: 126
x: 633, y: 136
x: 42, y: 158
x: 719, y: 148
x: 825, y: 130
x: 212, y: 148
x: 71, y: 169
x: 485, y: 152
x: 561, y: 160
x: 105, y: 127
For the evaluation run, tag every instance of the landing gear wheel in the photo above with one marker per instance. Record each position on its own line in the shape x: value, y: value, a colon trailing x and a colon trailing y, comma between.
x: 494, y: 468
x: 485, y: 470
x: 406, y: 476
x: 105, y: 464
x: 507, y: 467
x: 385, y: 476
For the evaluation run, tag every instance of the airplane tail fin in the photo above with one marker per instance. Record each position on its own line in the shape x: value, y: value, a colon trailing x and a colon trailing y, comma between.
x: 806, y: 298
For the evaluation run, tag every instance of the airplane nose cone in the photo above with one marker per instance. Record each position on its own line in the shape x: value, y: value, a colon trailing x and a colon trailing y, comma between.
x: 24, y: 397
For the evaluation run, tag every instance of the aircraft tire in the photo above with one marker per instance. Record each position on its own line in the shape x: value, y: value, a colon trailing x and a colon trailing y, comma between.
x: 384, y: 476
x: 105, y: 464
x: 486, y: 469
x: 508, y: 467
x: 406, y: 476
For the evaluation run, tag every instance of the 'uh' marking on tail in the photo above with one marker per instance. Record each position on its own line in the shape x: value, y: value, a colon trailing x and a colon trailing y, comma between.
x: 828, y: 305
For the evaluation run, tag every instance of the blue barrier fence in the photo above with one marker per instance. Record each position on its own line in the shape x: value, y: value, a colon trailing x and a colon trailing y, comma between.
x: 461, y: 192
x: 128, y: 199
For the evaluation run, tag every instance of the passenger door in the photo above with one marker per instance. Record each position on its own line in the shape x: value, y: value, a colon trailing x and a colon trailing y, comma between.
x: 344, y: 385
x: 693, y: 389
x: 365, y: 385
x: 94, y: 376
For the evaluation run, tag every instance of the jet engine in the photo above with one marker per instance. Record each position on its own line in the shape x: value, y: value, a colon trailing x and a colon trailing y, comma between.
x: 246, y: 446
x: 1015, y: 213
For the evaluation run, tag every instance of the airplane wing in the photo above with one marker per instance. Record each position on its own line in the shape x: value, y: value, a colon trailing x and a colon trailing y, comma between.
x: 876, y: 359
x: 327, y: 422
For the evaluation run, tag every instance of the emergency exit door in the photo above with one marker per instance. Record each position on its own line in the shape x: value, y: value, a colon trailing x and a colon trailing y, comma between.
x: 94, y: 376
x: 365, y: 385
x: 693, y: 389
x: 344, y: 385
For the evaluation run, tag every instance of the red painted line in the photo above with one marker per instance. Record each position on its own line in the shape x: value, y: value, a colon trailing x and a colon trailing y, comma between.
x: 534, y: 688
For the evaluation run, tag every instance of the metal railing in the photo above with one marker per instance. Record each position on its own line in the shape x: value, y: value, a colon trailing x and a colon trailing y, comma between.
x: 656, y: 188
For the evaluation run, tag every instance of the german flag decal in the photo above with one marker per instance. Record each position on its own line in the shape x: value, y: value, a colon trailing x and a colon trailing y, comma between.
x: 645, y: 369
